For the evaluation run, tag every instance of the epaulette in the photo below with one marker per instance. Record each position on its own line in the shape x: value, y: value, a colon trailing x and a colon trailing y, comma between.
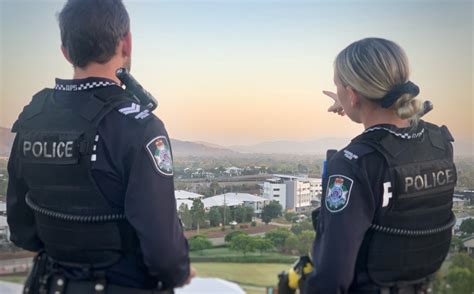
x: 353, y: 152
x: 134, y: 111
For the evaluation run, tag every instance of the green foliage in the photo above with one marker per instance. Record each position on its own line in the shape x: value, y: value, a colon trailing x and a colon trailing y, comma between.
x: 278, y: 237
x: 215, y: 217
x: 306, y: 225
x: 215, y: 188
x: 240, y: 214
x: 233, y: 234
x: 199, y: 243
x: 262, y: 244
x: 243, y: 243
x: 249, y: 258
x: 467, y: 226
x: 463, y: 260
x: 460, y: 280
x: 226, y: 214
x: 198, y: 213
x: 456, y: 244
x: 305, y: 241
x: 254, y: 224
x: 270, y: 211
x: 459, y: 277
x: 4, y: 177
x: 290, y: 216
x: 185, y: 216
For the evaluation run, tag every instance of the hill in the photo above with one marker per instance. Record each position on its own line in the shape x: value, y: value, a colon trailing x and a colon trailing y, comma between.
x: 6, y: 141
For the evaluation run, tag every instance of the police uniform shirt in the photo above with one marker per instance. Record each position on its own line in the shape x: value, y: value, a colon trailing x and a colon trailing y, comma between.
x: 356, y: 187
x: 133, y: 169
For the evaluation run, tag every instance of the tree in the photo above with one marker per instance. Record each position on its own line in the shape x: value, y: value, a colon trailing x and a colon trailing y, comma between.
x: 289, y: 216
x: 291, y: 243
x: 249, y: 213
x: 233, y: 234
x: 302, y: 226
x: 225, y: 214
x: 266, y: 218
x: 199, y: 243
x: 239, y: 213
x: 278, y: 237
x: 262, y: 245
x: 185, y: 216
x: 243, y: 243
x: 198, y: 213
x: 214, y: 188
x: 460, y: 280
x: 463, y: 260
x: 467, y: 226
x: 456, y: 244
x: 215, y: 217
x: 305, y: 241
x: 270, y: 211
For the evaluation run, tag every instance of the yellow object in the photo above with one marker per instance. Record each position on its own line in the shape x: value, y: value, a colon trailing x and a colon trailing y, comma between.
x: 293, y: 279
x: 307, y: 268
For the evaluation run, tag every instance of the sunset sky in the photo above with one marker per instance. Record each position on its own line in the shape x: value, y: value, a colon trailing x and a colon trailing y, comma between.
x: 242, y: 72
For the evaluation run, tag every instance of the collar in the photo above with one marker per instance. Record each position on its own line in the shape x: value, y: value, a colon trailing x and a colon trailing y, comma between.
x: 413, y: 132
x: 83, y: 84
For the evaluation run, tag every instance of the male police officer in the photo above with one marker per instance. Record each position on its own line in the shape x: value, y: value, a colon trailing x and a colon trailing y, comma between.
x: 86, y: 189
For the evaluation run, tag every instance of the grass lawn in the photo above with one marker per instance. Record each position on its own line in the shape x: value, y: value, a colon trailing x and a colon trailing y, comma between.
x: 252, y: 274
x: 19, y: 279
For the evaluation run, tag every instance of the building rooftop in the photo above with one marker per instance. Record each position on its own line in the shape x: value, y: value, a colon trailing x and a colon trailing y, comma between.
x: 231, y: 199
x: 181, y: 194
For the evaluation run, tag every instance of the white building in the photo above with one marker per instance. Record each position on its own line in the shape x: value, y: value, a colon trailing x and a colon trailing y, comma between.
x: 459, y: 203
x: 293, y: 192
x: 186, y: 198
x: 459, y: 221
x: 316, y: 188
x: 233, y: 171
x: 3, y: 208
x: 236, y: 199
x: 4, y: 231
x: 275, y: 190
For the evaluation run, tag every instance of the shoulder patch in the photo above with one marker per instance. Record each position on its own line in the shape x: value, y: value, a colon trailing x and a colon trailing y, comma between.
x: 338, y: 192
x: 132, y: 109
x: 356, y: 151
x: 160, y: 153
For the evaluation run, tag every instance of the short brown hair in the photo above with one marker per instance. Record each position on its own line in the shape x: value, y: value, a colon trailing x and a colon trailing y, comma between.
x: 91, y: 29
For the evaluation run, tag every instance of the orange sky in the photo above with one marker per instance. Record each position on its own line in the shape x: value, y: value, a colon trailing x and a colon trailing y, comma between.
x: 243, y: 72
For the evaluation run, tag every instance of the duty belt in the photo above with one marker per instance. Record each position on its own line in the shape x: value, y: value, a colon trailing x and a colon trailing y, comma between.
x: 61, y: 286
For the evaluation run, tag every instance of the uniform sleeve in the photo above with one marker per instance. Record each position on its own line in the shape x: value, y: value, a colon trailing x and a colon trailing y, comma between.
x: 347, y: 210
x: 150, y: 207
x: 19, y: 216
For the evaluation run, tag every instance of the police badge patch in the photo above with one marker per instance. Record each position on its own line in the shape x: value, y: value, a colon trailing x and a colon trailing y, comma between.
x: 338, y: 192
x: 160, y: 152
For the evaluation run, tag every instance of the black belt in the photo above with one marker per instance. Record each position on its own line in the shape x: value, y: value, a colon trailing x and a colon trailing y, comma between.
x: 59, y: 285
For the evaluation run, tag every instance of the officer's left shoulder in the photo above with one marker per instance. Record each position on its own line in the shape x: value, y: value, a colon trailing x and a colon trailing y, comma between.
x: 135, y: 112
x: 354, y: 152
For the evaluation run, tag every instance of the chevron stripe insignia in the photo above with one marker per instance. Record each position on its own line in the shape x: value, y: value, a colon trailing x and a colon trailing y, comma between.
x: 134, y: 108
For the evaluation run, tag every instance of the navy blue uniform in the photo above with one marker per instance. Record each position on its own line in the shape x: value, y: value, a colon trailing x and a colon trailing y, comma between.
x: 357, y: 186
x: 127, y: 174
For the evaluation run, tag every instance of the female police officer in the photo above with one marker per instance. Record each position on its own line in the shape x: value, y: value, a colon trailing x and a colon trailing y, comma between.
x: 385, y: 218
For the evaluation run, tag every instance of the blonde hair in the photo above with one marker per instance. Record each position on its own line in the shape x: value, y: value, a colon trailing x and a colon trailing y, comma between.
x: 375, y: 66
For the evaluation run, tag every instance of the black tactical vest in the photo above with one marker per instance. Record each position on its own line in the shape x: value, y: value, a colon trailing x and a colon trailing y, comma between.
x: 56, y: 145
x: 410, y: 238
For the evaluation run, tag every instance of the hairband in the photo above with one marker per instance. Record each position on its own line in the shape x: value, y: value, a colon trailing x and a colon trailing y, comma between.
x: 395, y: 93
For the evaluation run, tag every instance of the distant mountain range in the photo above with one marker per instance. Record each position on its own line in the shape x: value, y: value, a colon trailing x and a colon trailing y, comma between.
x: 204, y: 149
x: 318, y: 146
x: 199, y: 149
